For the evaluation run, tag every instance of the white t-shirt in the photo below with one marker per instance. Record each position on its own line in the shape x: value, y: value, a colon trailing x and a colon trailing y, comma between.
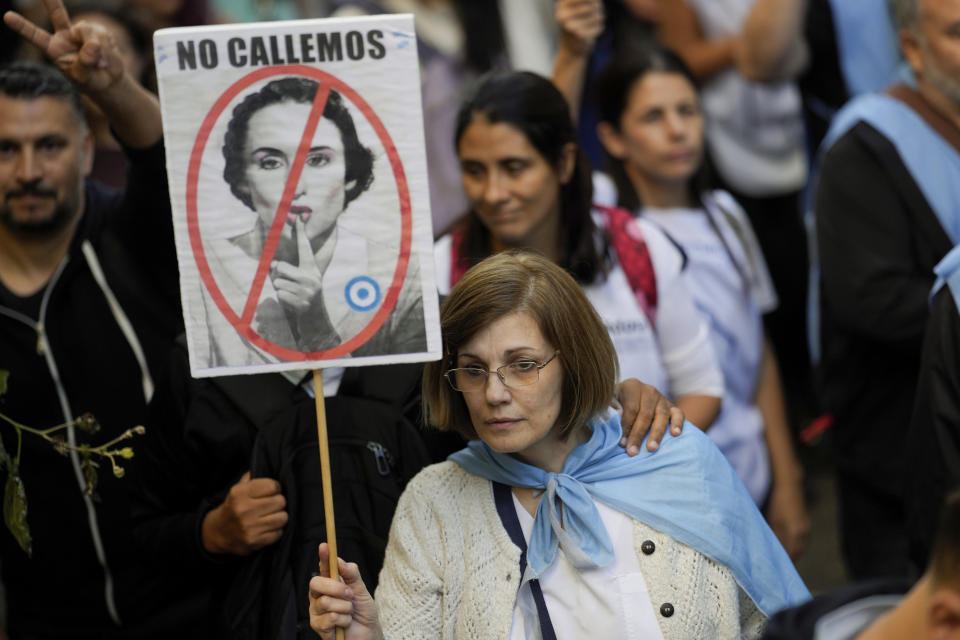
x: 676, y: 356
x: 732, y: 296
x: 606, y: 602
x: 732, y: 300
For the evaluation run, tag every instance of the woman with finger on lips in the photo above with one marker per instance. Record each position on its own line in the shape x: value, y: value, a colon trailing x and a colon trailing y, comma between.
x: 304, y: 305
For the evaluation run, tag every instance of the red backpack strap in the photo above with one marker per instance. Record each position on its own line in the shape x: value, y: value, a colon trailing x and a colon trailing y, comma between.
x: 458, y: 261
x: 634, y: 256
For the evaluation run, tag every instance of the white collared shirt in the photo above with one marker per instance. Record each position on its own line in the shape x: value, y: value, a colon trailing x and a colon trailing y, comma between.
x: 607, y: 602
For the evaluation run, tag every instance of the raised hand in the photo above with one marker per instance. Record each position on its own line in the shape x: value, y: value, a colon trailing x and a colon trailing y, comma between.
x: 251, y: 517
x: 85, y: 52
x: 87, y: 55
x: 346, y: 605
x: 581, y: 22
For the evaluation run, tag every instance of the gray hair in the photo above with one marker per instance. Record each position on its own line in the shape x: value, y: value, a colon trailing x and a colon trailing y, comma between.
x: 905, y: 13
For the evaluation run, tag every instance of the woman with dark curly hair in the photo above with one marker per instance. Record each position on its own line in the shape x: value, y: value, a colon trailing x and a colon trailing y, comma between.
x: 303, y: 307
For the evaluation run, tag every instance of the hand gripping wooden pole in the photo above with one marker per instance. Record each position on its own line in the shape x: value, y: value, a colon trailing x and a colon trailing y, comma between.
x: 325, y: 478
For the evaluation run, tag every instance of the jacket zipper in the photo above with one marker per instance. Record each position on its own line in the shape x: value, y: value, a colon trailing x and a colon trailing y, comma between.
x: 382, y: 456
x: 43, y: 349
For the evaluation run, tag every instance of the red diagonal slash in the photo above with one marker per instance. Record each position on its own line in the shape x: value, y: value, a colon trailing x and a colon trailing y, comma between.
x: 193, y: 216
x: 280, y: 217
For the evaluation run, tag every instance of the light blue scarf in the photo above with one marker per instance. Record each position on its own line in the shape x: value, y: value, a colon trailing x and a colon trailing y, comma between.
x: 948, y: 273
x: 686, y: 489
x: 931, y: 161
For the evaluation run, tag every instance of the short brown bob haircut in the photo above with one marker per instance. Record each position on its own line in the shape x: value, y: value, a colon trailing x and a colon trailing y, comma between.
x: 524, y: 282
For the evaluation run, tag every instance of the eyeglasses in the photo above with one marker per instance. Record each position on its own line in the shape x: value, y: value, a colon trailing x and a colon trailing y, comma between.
x: 521, y: 373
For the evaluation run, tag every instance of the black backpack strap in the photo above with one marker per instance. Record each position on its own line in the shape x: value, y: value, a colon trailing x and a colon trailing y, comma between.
x: 503, y: 497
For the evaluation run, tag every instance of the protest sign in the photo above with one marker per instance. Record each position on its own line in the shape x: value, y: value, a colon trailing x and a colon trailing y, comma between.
x: 298, y: 184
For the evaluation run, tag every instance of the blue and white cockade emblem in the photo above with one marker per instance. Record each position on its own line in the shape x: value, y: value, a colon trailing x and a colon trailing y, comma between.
x: 362, y: 293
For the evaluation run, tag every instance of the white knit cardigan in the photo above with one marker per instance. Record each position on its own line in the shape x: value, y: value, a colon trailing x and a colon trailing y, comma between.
x: 451, y: 570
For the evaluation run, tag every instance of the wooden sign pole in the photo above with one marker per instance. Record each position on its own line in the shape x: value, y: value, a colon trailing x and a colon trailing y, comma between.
x: 325, y: 478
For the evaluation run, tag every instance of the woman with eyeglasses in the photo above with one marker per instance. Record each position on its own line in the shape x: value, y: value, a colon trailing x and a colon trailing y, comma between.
x: 543, y: 526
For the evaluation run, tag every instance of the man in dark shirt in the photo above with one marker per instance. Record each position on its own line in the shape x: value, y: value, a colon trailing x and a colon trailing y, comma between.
x: 934, y: 444
x: 882, y: 225
x: 88, y: 308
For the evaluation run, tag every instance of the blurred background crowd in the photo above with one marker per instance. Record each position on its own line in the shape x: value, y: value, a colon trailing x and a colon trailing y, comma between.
x: 820, y: 137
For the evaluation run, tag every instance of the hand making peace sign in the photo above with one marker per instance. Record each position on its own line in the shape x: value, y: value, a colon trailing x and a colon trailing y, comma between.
x: 88, y: 56
x: 85, y: 52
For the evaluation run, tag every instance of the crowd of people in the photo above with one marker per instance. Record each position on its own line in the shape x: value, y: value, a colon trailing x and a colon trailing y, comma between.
x: 668, y: 235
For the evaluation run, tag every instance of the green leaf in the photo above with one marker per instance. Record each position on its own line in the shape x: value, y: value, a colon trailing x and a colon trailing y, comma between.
x: 15, y: 510
x: 4, y: 374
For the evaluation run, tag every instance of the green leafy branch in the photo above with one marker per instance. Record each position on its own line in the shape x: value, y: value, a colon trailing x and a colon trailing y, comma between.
x: 15, y: 495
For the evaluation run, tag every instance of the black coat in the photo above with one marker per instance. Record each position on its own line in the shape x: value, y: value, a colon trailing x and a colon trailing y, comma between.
x: 61, y: 589
x: 933, y: 443
x: 204, y: 434
x: 878, y: 240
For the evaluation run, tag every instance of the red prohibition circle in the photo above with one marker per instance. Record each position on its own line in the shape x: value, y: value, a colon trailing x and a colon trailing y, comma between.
x: 193, y: 224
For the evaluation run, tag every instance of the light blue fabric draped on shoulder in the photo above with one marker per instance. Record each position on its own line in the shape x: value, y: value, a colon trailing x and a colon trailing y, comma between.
x: 686, y: 489
x: 948, y: 273
x: 932, y: 162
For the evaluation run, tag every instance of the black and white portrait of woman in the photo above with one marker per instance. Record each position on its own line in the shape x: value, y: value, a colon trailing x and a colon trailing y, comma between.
x: 326, y: 280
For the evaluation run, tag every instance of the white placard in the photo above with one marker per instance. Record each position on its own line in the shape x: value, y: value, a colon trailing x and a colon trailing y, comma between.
x: 298, y: 183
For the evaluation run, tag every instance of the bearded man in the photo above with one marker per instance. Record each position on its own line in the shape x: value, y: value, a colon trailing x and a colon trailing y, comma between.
x: 887, y: 208
x: 88, y: 306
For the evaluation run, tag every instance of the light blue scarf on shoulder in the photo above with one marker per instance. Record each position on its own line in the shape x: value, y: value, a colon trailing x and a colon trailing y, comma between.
x: 948, y: 273
x: 685, y: 489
